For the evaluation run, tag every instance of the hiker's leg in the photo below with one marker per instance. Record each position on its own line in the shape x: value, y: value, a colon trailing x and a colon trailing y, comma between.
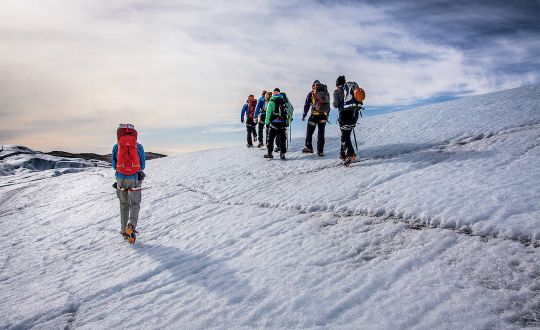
x: 309, y: 132
x: 134, y: 206
x: 283, y: 140
x: 271, y: 136
x: 320, y: 136
x: 346, y: 139
x: 124, y: 203
x: 260, y: 126
x: 248, y: 130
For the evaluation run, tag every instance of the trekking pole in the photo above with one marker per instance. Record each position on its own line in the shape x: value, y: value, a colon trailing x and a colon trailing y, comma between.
x: 354, y: 134
x: 290, y: 133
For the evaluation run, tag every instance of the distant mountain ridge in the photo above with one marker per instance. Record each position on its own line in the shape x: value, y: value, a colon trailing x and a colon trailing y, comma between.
x: 14, y: 158
x: 105, y: 158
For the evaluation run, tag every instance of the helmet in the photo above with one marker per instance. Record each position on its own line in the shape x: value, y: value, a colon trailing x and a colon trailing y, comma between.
x: 125, y: 129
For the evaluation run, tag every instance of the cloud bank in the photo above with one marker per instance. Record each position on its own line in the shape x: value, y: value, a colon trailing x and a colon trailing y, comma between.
x: 71, y: 70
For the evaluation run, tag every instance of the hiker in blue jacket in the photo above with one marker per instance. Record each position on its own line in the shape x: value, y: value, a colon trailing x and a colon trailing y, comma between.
x: 260, y: 114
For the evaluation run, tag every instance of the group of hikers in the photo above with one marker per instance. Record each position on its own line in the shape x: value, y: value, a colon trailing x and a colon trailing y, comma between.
x: 272, y: 113
x: 276, y: 104
x: 269, y: 115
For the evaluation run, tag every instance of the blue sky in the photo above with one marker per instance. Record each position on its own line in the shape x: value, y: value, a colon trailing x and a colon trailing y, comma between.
x: 71, y: 70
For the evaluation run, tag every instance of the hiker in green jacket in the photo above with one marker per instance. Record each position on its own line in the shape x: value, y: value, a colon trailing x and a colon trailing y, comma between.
x: 278, y: 117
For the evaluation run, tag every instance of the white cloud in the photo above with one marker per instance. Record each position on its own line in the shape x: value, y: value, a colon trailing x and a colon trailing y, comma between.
x: 185, y: 64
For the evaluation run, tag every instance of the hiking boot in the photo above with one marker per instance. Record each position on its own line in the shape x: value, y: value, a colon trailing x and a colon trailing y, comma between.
x: 268, y: 156
x: 124, y: 235
x: 342, y: 156
x: 349, y: 160
x: 320, y: 154
x: 260, y: 145
x: 282, y: 155
x: 307, y: 150
x: 131, y: 233
x: 250, y: 145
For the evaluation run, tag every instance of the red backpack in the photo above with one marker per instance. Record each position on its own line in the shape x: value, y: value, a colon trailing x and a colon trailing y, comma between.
x: 251, y: 108
x: 127, y: 160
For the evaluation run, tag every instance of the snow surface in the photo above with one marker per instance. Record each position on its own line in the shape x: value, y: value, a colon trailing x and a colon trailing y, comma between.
x: 435, y: 227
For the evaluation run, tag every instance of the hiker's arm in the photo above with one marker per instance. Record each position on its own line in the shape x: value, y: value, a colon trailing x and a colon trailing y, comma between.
x: 142, y: 155
x: 337, y: 99
x: 307, y: 104
x: 113, y: 156
x: 244, y: 110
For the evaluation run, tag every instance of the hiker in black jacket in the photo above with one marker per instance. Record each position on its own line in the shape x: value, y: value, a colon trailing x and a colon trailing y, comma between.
x: 348, y: 109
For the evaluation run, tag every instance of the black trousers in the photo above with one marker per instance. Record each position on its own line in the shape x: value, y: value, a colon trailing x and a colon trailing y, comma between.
x: 251, y: 131
x: 347, y: 148
x: 319, y: 122
x: 347, y: 121
x: 280, y: 135
x: 261, y: 127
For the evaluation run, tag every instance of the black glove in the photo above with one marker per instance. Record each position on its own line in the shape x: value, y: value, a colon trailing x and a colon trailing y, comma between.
x: 242, y: 121
x: 141, y: 175
x: 115, y: 185
x: 304, y: 117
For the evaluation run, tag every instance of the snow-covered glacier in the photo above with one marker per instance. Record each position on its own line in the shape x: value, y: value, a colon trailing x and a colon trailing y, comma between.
x: 436, y: 226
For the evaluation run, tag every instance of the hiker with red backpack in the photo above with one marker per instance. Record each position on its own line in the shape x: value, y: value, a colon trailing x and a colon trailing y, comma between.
x: 318, y: 101
x: 128, y: 159
x: 249, y: 110
x: 348, y: 98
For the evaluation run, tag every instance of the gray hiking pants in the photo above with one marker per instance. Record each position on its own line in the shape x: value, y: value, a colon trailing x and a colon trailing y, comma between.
x: 129, y: 194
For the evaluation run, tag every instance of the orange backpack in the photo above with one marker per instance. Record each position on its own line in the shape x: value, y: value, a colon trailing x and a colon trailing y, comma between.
x: 359, y: 94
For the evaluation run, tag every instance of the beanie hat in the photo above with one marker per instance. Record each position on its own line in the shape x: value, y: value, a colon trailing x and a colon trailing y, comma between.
x: 315, y: 82
x: 341, y: 81
x: 277, y: 90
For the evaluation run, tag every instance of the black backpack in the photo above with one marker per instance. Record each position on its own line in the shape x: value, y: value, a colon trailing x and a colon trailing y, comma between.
x: 280, y: 110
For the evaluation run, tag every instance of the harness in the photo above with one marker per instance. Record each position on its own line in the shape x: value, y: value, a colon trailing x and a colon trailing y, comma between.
x: 115, y: 186
x: 278, y: 128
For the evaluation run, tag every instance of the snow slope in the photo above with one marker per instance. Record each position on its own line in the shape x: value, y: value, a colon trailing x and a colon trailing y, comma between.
x: 436, y: 226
